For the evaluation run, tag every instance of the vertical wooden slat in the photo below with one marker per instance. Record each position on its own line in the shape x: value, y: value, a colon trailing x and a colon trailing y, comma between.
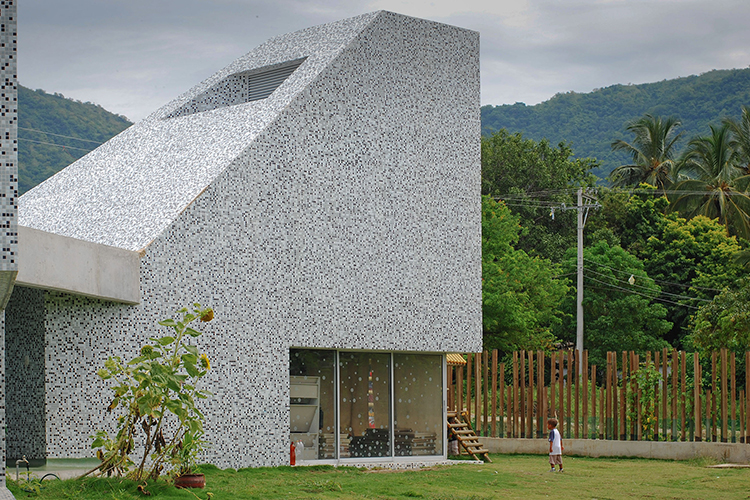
x: 638, y: 398
x: 568, y: 406
x: 469, y: 366
x: 493, y: 430
x: 460, y: 388
x: 478, y: 390
x: 552, y: 384
x: 522, y: 395
x: 577, y: 377
x: 607, y: 416
x: 742, y: 416
x: 530, y: 398
x: 511, y: 413
x: 715, y: 421
x: 615, y: 418
x: 747, y: 397
x: 541, y: 417
x: 724, y: 390
x: 560, y: 405
x: 639, y: 414
x: 697, y: 398
x: 602, y: 419
x: 545, y: 405
x: 675, y: 371
x: 683, y: 394
x: 593, y: 402
x: 624, y: 398
x: 657, y: 397
x: 634, y: 391
x: 664, y: 393
x: 714, y: 386
x: 711, y: 410
x: 733, y: 395
x: 585, y: 372
x: 485, y: 393
x: 503, y: 409
x: 514, y: 427
x: 714, y: 376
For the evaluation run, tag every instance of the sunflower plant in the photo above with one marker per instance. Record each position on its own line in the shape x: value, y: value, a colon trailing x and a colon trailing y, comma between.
x: 156, y: 395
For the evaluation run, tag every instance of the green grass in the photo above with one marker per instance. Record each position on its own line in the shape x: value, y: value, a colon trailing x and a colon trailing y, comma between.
x: 509, y: 476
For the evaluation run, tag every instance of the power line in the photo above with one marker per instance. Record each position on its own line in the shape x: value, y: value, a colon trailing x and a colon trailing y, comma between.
x: 53, y: 144
x: 657, y: 281
x: 642, y: 294
x: 59, y: 135
x: 661, y: 292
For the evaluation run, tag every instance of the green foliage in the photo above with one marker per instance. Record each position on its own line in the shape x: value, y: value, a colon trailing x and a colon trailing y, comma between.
x: 652, y: 153
x: 718, y: 184
x: 724, y: 323
x: 697, y: 254
x: 520, y: 170
x: 520, y: 294
x: 632, y: 218
x: 591, y: 121
x: 618, y: 315
x: 55, y: 115
x: 647, y: 378
x: 150, y: 388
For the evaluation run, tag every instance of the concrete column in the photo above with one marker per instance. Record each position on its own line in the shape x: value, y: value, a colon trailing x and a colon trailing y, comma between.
x: 8, y: 190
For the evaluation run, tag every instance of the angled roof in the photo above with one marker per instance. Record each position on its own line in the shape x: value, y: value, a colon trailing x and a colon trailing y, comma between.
x: 130, y: 189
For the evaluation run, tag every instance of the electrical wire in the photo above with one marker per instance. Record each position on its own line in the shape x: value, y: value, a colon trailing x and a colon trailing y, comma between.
x: 676, y: 296
x: 657, y: 281
x: 53, y: 144
x: 59, y: 135
x: 641, y: 294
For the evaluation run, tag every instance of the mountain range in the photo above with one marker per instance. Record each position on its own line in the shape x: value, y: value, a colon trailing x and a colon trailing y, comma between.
x: 591, y: 121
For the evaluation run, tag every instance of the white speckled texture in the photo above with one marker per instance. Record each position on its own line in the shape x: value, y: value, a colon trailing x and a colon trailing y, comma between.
x: 341, y: 212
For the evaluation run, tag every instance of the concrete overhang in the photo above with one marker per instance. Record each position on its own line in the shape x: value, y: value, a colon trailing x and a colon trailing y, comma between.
x: 60, y: 263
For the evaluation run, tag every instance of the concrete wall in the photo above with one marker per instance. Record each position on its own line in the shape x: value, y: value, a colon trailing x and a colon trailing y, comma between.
x: 724, y: 452
x: 55, y: 262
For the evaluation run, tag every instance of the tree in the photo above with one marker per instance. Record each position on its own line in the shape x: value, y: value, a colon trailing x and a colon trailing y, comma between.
x: 532, y: 177
x: 724, y: 323
x: 618, y: 315
x: 652, y: 152
x: 740, y: 141
x: 693, y: 259
x: 520, y: 293
x: 719, y: 186
x: 632, y: 218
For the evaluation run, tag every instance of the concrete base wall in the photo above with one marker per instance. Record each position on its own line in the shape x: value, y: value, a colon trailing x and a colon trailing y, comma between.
x: 724, y: 452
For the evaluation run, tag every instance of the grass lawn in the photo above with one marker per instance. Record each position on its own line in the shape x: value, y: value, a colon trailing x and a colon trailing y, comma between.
x: 509, y: 476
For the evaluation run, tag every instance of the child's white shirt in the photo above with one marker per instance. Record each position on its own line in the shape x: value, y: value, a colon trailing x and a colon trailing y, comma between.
x: 556, y: 439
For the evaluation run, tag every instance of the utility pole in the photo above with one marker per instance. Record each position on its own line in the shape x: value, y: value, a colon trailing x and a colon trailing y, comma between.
x: 579, y: 290
x: 583, y: 212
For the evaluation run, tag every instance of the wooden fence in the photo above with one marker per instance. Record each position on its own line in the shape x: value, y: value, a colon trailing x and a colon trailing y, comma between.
x: 659, y: 403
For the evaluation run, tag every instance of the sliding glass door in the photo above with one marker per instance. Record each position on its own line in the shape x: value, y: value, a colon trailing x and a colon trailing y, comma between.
x: 361, y: 404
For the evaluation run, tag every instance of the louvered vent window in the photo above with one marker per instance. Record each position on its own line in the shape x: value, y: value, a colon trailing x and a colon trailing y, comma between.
x: 240, y: 88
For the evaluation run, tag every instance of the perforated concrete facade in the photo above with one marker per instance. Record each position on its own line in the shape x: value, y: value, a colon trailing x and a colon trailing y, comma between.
x: 342, y: 211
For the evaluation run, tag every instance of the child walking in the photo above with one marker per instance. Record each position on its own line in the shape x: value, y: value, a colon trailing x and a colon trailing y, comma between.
x: 555, y: 445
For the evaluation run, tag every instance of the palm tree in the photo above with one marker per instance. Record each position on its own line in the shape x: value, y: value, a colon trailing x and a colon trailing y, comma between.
x: 740, y: 141
x: 652, y: 152
x: 718, y: 188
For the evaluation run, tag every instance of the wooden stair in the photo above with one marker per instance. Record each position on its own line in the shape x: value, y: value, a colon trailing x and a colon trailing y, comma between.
x: 461, y: 429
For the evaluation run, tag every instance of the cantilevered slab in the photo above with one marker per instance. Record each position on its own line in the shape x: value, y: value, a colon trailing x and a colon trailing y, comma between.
x: 55, y: 262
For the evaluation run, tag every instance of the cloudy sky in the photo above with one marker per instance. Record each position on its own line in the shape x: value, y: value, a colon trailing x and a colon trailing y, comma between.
x: 133, y: 56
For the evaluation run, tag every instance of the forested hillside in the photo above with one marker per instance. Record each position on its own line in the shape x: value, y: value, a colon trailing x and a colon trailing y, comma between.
x: 590, y: 122
x: 54, y: 131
